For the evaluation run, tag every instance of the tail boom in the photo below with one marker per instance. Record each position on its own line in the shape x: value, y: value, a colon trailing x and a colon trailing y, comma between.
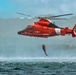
x: 66, y: 30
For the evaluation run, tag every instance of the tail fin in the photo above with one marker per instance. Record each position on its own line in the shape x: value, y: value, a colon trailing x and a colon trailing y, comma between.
x: 74, y: 31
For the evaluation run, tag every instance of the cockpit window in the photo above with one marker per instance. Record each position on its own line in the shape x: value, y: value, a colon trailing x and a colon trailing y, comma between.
x: 53, y: 25
x: 29, y: 29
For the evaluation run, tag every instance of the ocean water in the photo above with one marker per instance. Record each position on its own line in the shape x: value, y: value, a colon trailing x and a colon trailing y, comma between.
x: 37, y: 68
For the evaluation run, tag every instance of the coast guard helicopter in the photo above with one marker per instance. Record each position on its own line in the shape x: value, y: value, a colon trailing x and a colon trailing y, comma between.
x: 45, y: 28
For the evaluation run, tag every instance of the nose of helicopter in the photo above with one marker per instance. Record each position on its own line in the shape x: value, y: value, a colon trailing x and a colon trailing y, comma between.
x: 20, y: 32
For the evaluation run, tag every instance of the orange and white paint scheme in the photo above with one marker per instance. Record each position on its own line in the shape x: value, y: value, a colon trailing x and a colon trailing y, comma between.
x: 44, y: 28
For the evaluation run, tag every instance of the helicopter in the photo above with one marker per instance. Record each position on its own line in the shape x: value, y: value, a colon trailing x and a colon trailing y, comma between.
x: 45, y: 28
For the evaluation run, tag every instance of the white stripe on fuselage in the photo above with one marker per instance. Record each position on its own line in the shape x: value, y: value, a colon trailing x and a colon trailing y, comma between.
x: 58, y: 31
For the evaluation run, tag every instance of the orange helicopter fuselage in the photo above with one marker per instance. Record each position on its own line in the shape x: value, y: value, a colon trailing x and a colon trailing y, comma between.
x: 44, y: 28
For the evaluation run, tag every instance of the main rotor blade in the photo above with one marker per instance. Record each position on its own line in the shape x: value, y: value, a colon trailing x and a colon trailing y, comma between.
x: 61, y: 15
x: 57, y: 18
x: 23, y: 14
x: 47, y: 17
x: 52, y: 17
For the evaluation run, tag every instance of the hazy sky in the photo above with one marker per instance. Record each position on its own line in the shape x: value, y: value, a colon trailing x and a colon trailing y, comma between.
x: 8, y: 8
x: 22, y: 46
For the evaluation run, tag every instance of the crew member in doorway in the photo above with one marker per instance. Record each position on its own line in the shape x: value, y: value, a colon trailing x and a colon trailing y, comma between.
x: 44, y: 49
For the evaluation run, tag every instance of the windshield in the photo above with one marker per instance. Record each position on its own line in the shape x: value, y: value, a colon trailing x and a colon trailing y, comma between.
x: 29, y: 29
x: 53, y: 25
